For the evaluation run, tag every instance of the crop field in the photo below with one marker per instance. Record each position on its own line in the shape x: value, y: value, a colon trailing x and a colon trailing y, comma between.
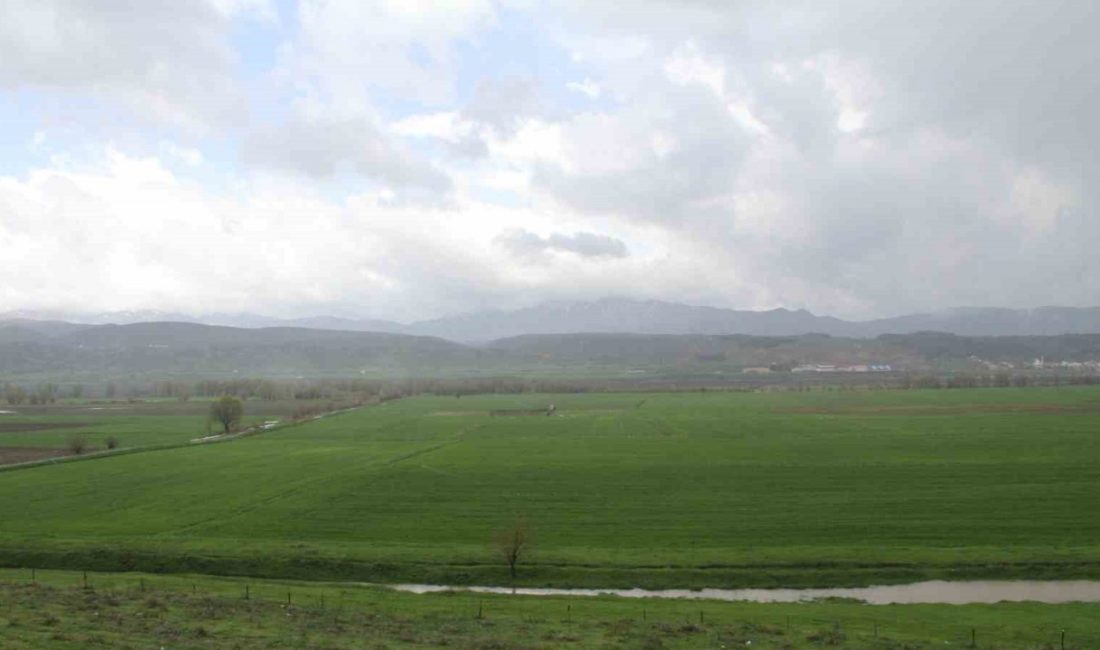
x: 43, y: 431
x: 652, y: 490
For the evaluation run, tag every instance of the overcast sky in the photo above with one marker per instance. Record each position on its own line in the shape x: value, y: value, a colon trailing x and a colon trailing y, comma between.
x: 407, y: 159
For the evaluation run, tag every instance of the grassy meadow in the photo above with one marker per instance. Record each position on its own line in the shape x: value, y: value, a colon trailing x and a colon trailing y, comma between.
x: 652, y: 490
x: 74, y: 610
x: 29, y: 432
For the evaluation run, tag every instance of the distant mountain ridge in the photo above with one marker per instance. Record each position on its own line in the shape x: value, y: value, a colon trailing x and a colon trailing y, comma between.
x: 157, y: 350
x: 623, y: 316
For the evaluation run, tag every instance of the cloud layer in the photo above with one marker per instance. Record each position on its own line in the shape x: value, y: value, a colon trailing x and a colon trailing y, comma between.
x: 409, y: 160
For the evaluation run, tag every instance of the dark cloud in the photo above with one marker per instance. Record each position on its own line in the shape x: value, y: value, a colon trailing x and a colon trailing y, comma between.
x: 166, y: 61
x: 322, y: 148
x: 914, y: 155
x: 501, y: 104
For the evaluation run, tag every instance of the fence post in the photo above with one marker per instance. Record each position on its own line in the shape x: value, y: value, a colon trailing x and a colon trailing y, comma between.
x: 34, y: 579
x: 85, y: 580
x: 973, y: 638
x: 246, y: 594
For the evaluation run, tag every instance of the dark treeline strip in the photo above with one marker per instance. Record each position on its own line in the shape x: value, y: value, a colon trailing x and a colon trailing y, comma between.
x: 343, y: 393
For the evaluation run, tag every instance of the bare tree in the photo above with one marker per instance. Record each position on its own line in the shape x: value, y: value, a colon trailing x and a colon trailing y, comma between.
x: 77, y: 444
x: 513, y: 542
x: 228, y: 411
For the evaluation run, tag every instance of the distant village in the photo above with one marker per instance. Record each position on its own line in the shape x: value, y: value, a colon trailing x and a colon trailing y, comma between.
x: 824, y: 367
x: 1038, y: 364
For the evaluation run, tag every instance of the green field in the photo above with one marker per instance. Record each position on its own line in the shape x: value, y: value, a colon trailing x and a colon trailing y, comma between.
x: 131, y: 610
x: 46, y: 428
x: 657, y: 490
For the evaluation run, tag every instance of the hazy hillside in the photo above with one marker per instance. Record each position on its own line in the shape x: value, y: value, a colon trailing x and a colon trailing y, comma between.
x: 618, y: 315
x: 190, y: 349
x: 976, y: 321
x: 625, y: 316
x: 695, y: 349
x: 178, y: 349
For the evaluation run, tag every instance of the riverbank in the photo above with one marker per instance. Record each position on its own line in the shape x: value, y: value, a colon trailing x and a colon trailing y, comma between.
x: 59, y: 609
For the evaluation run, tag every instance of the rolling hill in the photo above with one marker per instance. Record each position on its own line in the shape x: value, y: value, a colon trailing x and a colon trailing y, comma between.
x: 621, y: 315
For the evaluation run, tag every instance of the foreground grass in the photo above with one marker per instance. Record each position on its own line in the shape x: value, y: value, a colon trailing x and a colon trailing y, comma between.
x: 67, y: 610
x: 672, y: 490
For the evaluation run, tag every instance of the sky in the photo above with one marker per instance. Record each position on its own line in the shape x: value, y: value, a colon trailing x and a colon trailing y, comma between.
x: 408, y: 159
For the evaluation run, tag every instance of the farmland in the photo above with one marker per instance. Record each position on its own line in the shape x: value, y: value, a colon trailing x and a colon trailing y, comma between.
x: 44, y: 431
x: 654, y: 490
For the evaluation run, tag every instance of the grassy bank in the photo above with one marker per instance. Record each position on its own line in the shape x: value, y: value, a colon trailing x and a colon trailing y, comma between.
x: 67, y: 610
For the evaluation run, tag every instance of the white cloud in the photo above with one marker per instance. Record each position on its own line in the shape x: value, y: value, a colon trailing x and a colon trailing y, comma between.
x: 588, y: 88
x: 884, y: 158
x: 190, y: 156
x: 347, y: 50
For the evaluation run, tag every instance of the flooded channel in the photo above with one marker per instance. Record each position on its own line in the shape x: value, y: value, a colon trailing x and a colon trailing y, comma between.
x: 935, y: 591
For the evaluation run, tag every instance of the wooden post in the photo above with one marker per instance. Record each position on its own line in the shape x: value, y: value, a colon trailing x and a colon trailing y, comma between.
x: 480, y: 605
x: 1063, y: 640
x: 85, y: 580
x: 288, y: 597
x: 569, y: 613
x: 246, y: 594
x: 700, y: 617
x: 34, y: 579
x: 973, y: 638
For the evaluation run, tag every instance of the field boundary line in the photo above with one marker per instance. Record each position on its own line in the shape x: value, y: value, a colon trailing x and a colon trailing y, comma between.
x: 195, y: 442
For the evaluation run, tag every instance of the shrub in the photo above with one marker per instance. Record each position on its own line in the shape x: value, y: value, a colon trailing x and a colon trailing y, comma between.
x: 112, y: 442
x: 78, y: 445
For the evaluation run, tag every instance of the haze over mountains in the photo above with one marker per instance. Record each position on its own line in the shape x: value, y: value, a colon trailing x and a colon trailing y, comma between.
x: 611, y: 335
x: 619, y: 315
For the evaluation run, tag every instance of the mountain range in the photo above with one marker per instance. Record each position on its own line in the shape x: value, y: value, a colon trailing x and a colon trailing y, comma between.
x: 625, y: 316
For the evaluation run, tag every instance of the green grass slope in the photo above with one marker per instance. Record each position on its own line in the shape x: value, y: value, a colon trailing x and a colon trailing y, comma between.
x: 620, y: 490
x: 148, y: 611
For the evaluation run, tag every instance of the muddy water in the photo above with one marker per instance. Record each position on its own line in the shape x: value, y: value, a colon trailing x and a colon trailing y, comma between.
x: 953, y: 593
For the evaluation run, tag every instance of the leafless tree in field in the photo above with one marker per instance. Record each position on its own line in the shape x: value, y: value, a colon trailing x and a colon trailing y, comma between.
x: 512, y: 543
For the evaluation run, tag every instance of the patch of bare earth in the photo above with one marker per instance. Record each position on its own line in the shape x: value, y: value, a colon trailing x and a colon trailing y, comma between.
x: 17, y: 427
x: 12, y: 455
x: 962, y: 409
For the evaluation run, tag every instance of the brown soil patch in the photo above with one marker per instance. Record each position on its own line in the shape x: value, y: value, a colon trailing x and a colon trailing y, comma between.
x: 963, y: 409
x: 12, y: 455
x: 14, y: 427
x: 519, y: 412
